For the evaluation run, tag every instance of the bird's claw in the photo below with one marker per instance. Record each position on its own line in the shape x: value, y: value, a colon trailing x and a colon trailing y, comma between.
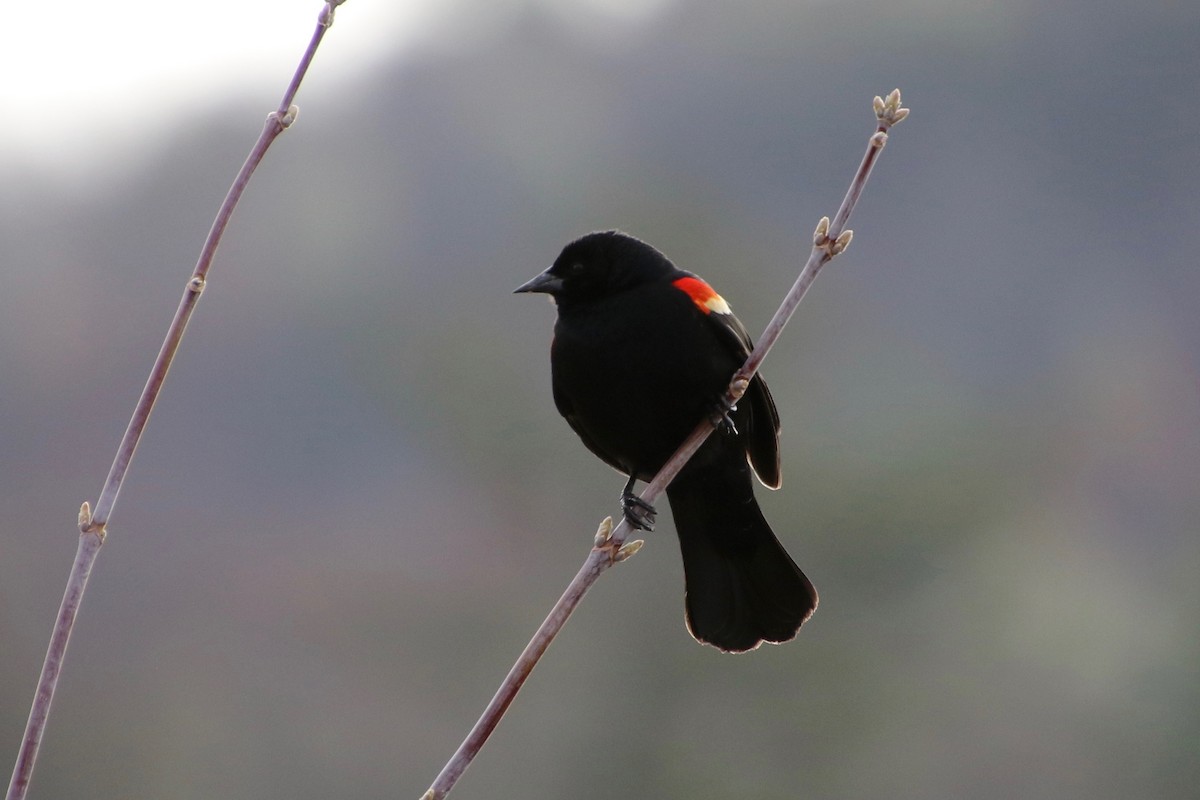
x: 638, y: 512
x: 719, y: 415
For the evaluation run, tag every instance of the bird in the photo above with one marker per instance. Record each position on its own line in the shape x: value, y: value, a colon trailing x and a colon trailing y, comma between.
x: 643, y: 351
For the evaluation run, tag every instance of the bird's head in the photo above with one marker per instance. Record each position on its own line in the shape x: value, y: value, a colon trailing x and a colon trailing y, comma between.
x: 600, y: 265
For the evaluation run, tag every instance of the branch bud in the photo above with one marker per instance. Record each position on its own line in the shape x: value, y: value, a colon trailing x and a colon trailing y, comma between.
x: 888, y: 111
x: 325, y: 18
x: 628, y: 550
x: 821, y: 234
x: 288, y: 118
x: 604, y: 532
x: 88, y: 525
x: 842, y: 242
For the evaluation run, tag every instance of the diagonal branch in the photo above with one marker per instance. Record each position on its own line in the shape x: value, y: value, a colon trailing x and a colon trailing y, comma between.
x: 612, y: 547
x: 92, y: 524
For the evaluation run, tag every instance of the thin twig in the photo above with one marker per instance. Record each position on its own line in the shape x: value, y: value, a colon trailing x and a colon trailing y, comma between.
x: 92, y: 525
x: 829, y: 240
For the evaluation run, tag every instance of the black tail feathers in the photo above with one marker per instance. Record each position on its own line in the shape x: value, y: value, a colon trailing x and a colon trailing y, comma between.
x: 742, y: 586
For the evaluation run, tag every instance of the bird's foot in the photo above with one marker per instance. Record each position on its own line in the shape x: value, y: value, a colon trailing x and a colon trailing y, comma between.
x: 638, y: 512
x: 719, y: 415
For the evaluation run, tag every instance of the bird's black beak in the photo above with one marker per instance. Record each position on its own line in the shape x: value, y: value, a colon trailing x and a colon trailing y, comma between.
x: 546, y: 283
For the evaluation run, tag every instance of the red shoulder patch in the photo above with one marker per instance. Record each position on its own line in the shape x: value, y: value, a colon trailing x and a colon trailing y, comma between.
x: 703, y: 295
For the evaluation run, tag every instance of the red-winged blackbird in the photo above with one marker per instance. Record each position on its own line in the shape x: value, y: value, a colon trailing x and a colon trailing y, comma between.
x: 642, y: 352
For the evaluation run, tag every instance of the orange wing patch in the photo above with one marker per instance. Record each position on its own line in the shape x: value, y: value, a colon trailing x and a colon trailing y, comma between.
x: 703, y: 295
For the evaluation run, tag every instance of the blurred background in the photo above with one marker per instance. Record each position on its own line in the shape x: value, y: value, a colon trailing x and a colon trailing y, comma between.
x: 355, y: 501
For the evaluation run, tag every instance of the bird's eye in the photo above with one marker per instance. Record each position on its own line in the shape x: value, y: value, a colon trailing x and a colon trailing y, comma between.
x: 576, y: 268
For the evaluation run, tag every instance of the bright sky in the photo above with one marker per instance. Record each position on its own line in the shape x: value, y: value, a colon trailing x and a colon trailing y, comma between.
x: 83, y: 82
x: 79, y: 77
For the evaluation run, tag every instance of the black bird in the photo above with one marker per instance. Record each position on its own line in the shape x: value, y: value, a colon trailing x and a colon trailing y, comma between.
x: 643, y: 351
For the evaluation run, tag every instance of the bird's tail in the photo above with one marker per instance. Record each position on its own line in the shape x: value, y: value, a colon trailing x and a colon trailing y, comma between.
x: 742, y: 586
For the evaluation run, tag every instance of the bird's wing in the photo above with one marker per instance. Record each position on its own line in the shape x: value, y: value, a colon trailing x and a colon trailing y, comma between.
x: 762, y: 438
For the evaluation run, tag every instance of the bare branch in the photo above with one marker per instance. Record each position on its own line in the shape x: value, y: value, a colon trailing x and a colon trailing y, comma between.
x: 92, y: 525
x: 829, y: 240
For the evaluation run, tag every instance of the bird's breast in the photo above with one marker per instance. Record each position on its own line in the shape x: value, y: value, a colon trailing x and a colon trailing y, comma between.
x: 638, y: 375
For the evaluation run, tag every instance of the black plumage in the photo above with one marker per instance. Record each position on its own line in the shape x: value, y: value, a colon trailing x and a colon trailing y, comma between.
x: 642, y: 352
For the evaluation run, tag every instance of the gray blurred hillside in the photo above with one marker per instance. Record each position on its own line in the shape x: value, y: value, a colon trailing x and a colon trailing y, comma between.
x: 355, y: 501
